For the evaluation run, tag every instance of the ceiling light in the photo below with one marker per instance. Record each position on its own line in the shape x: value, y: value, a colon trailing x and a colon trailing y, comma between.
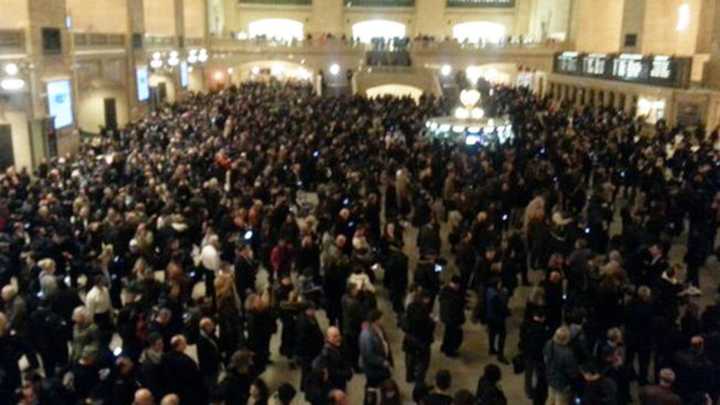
x: 12, y: 84
x: 11, y: 69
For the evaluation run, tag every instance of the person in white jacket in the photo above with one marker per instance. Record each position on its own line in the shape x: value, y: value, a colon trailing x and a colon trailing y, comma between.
x: 99, y: 304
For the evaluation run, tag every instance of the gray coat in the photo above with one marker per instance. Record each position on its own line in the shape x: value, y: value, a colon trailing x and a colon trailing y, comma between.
x: 561, y: 365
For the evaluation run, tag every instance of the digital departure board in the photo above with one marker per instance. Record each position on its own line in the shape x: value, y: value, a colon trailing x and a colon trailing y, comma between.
x: 654, y: 70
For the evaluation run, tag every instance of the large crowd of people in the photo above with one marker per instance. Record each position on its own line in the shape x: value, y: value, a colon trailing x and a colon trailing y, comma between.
x: 230, y: 217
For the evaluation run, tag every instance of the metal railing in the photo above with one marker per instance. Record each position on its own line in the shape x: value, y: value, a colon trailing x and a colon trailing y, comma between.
x: 379, y: 3
x: 99, y: 40
x: 157, y: 41
x: 278, y: 2
x: 418, y: 44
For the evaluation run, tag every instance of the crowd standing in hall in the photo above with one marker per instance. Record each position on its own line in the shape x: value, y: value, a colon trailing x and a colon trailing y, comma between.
x: 214, y: 191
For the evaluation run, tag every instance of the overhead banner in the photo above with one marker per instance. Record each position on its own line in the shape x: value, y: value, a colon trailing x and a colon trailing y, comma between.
x: 481, y: 3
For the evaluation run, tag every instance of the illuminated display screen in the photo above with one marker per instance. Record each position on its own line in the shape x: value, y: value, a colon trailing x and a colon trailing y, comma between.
x: 60, y: 103
x: 183, y: 74
x: 143, y: 87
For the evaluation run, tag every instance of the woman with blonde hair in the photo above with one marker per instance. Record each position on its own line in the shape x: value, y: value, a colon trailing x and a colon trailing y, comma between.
x: 228, y: 311
x: 260, y: 328
x: 536, y: 232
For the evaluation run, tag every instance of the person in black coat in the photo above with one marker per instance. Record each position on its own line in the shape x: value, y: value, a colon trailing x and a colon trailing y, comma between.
x: 208, y: 353
x: 497, y: 312
x: 246, y: 269
x: 396, y: 277
x: 488, y: 391
x: 235, y: 386
x: 49, y: 336
x: 333, y: 360
x: 639, y: 335
x: 126, y: 383
x: 452, y: 314
x: 309, y: 341
x: 427, y: 276
x: 353, y: 317
x: 181, y: 375
x: 11, y: 350
x: 419, y: 334
x: 534, y: 333
x: 440, y: 395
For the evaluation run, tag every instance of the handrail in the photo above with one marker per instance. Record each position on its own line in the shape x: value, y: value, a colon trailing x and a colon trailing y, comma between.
x: 98, y: 40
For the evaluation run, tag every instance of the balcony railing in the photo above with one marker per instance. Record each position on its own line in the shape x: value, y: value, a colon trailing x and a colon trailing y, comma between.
x: 481, y: 3
x: 194, y: 42
x: 418, y: 44
x: 160, y: 42
x: 278, y: 2
x: 379, y: 3
x: 99, y: 40
x: 12, y: 41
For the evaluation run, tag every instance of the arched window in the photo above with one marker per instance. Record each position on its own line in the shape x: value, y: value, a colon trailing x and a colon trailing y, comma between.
x: 367, y: 30
x: 479, y: 31
x: 276, y: 28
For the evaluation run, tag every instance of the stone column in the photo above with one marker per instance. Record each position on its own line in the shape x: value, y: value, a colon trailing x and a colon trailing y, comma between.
x: 136, y: 57
x: 328, y: 16
x: 633, y: 22
x: 429, y: 18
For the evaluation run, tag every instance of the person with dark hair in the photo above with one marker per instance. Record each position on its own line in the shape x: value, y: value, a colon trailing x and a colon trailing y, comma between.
x: 309, y: 341
x: 419, y: 328
x: 488, y: 391
x: 463, y: 397
x: 534, y: 333
x: 259, y: 392
x: 599, y: 390
x: 497, y: 311
x: 239, y: 375
x: 440, y: 395
x: 285, y: 394
x: 352, y: 320
x: 375, y: 354
x: 452, y: 314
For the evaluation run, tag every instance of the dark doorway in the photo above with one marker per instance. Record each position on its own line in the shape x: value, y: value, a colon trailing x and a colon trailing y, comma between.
x: 7, y: 157
x: 110, y: 113
x: 162, y: 92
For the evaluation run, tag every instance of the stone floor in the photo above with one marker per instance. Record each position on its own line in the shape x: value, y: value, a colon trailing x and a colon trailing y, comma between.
x: 466, y: 369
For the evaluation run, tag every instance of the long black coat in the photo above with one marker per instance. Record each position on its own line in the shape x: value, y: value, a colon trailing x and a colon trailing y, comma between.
x: 452, y: 306
x: 310, y: 339
x: 182, y: 376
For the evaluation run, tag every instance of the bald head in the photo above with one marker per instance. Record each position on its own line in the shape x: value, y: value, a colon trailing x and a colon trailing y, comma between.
x: 3, y: 324
x: 333, y: 336
x: 143, y: 396
x: 8, y: 293
x: 178, y: 343
x: 170, y: 399
x: 338, y: 397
